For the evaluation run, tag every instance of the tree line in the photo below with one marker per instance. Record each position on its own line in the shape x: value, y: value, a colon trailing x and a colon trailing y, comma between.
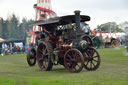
x: 109, y: 27
x: 13, y: 28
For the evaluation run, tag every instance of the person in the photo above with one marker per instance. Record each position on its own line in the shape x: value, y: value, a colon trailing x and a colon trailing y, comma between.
x: 37, y: 37
x: 18, y: 48
x: 49, y: 29
x: 3, y: 49
x: 11, y: 48
x: 107, y: 41
x: 85, y: 28
x: 46, y: 30
x: 94, y: 32
x: 14, y: 48
x: 6, y: 48
x: 26, y: 47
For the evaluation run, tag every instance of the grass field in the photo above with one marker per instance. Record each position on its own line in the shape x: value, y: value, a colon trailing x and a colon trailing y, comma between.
x: 113, y: 70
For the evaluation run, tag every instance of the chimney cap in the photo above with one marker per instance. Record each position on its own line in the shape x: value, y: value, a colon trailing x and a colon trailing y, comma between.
x: 77, y: 11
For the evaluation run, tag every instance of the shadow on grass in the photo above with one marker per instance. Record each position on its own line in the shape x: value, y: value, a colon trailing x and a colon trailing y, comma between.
x: 59, y: 70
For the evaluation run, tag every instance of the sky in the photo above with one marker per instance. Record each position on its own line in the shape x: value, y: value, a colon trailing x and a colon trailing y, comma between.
x: 100, y: 11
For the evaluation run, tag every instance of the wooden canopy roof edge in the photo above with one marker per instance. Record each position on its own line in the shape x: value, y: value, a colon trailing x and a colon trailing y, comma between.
x: 63, y: 20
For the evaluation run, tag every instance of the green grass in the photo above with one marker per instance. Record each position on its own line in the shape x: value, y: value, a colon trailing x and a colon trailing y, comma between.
x: 113, y: 70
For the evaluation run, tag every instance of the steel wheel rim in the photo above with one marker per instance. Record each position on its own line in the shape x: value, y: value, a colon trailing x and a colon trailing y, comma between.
x: 88, y: 39
x: 115, y: 43
x: 73, y: 62
x: 92, y: 59
x: 32, y: 56
x: 42, y: 57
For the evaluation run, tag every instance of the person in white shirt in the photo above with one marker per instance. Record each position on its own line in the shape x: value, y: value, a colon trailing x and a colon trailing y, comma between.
x: 3, y: 49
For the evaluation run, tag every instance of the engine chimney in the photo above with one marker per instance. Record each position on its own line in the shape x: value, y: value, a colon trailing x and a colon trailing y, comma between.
x: 77, y: 20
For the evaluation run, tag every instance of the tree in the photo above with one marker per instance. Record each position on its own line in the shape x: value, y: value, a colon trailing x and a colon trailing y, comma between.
x: 5, y: 30
x: 123, y: 25
x: 29, y: 26
x: 1, y: 27
x: 12, y: 28
x: 25, y: 27
x: 109, y: 27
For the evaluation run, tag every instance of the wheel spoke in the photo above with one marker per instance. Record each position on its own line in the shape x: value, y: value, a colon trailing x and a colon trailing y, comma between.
x: 90, y: 65
x: 78, y: 65
x: 93, y: 63
x: 46, y: 54
x: 46, y: 62
x: 93, y: 53
x: 87, y: 63
x: 41, y: 59
x: 75, y: 55
x: 95, y: 60
x: 31, y: 60
x: 40, y: 51
x: 73, y: 65
x: 68, y: 60
x: 43, y: 47
x: 31, y: 56
x: 95, y: 56
x: 44, y: 51
x: 69, y: 57
x: 72, y: 60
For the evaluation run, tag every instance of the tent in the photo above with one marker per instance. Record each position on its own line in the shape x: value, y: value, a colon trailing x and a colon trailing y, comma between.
x: 12, y: 40
x: 1, y: 39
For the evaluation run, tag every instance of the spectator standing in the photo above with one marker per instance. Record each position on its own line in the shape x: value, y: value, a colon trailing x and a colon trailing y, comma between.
x: 6, y: 48
x: 11, y: 48
x: 3, y: 49
x: 94, y: 32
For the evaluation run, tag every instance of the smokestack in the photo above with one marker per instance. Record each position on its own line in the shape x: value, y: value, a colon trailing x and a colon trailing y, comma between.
x: 77, y: 20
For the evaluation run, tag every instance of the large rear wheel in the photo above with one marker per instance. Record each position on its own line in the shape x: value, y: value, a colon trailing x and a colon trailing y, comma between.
x: 44, y: 54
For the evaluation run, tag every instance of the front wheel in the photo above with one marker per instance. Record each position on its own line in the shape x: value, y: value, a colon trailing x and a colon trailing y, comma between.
x: 92, y: 59
x: 73, y: 60
x: 31, y: 57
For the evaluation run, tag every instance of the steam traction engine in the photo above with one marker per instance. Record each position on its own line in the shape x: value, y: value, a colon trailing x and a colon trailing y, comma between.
x: 63, y: 42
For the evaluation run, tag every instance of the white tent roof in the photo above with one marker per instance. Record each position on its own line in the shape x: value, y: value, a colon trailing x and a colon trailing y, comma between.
x: 1, y: 39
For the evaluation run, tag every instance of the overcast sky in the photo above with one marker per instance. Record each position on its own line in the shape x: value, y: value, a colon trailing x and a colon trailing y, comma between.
x: 100, y: 11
